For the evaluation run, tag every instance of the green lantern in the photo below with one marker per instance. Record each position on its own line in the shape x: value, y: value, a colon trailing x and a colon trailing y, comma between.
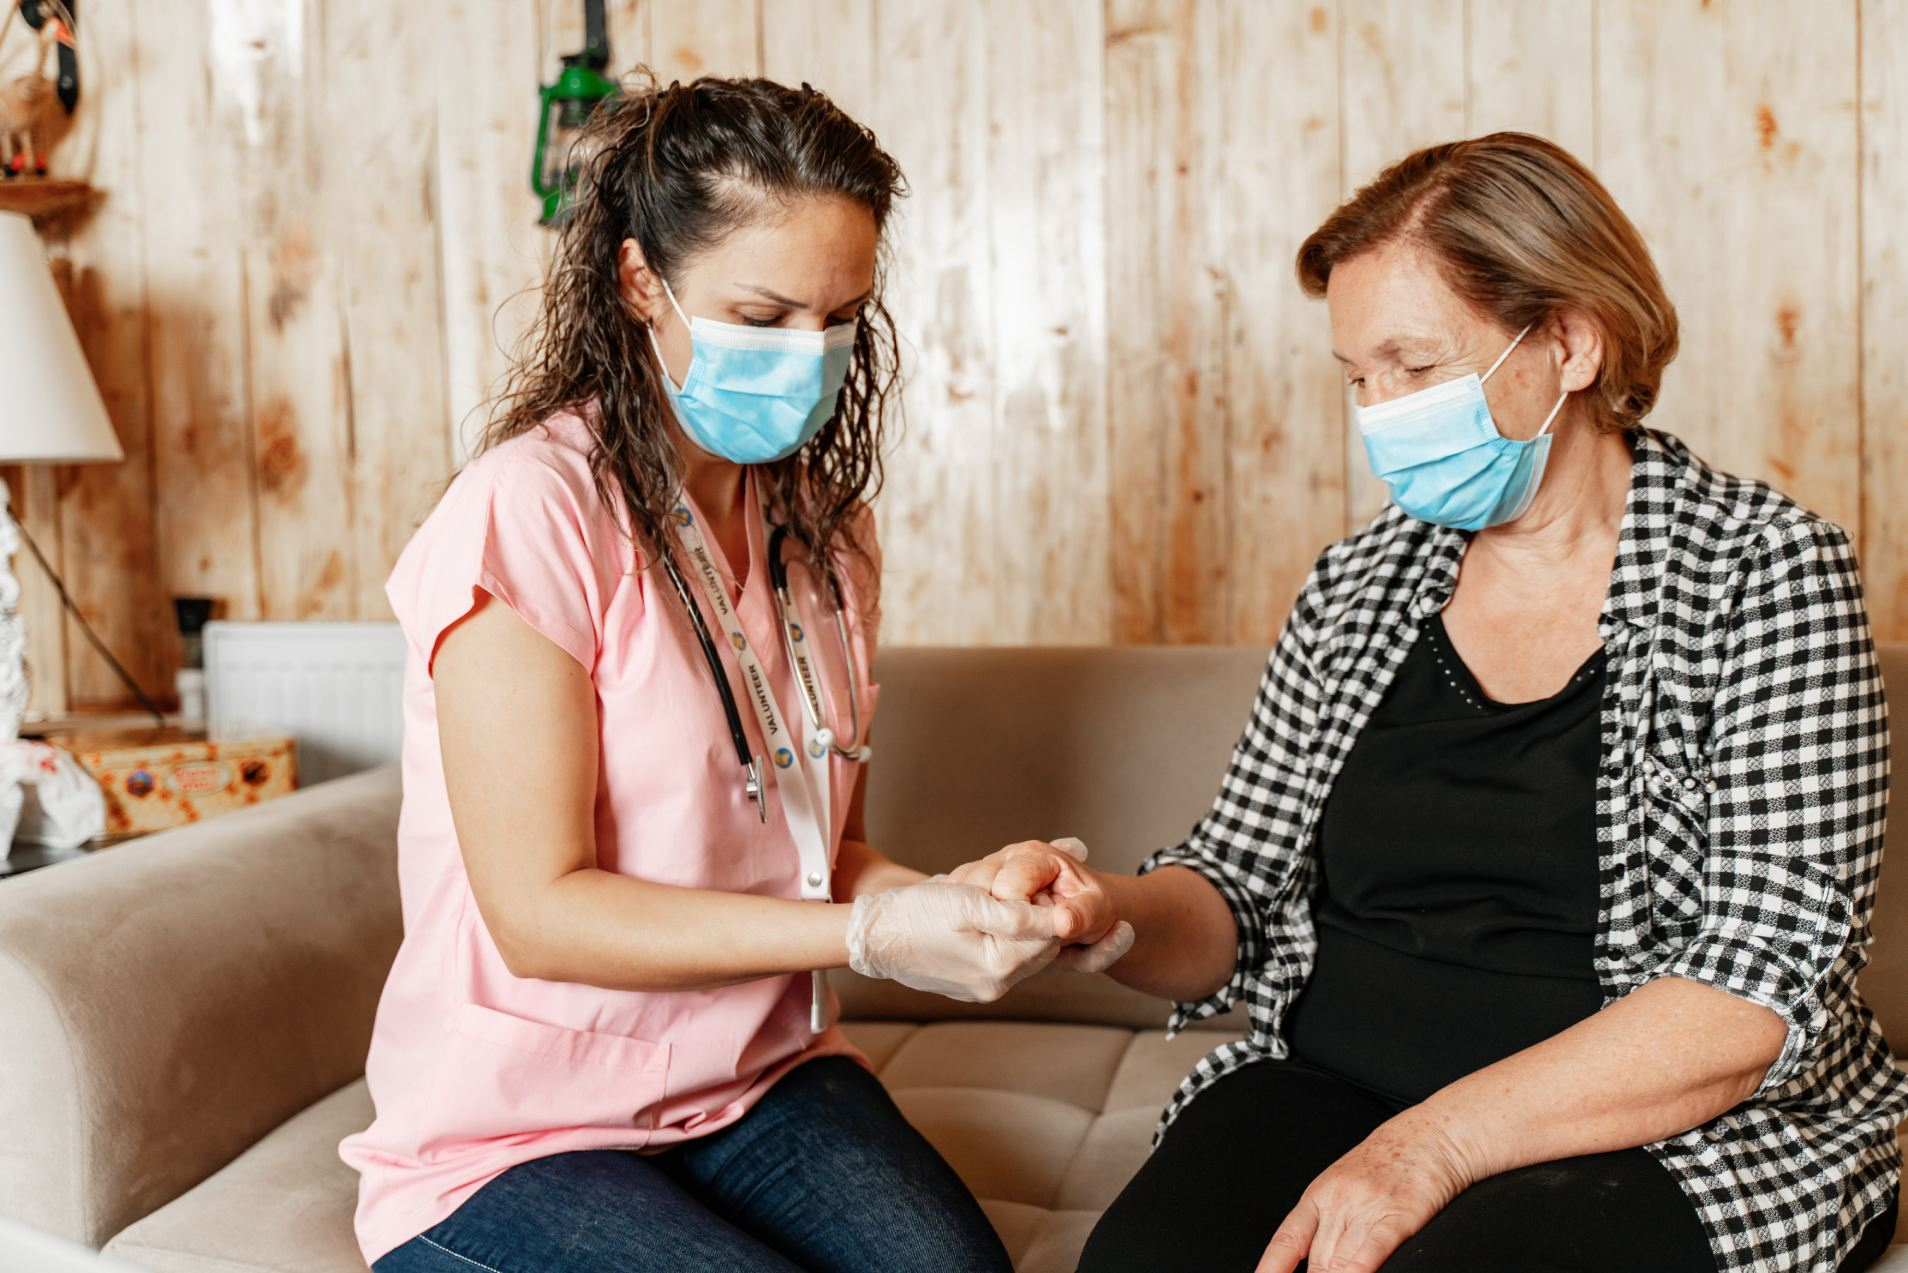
x: 567, y: 105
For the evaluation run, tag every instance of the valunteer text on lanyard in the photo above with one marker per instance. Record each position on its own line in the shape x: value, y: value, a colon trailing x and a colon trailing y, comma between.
x: 804, y: 787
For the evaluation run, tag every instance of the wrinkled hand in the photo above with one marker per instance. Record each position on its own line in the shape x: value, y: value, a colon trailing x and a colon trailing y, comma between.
x: 1052, y: 874
x: 1370, y: 1202
x: 949, y: 939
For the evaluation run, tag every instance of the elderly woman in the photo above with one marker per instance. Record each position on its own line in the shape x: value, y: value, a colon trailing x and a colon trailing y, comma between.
x: 1545, y: 863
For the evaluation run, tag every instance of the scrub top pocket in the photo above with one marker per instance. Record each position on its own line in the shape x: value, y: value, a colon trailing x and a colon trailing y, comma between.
x: 504, y: 1073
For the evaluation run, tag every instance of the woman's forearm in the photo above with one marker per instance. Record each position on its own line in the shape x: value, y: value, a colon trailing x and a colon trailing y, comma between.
x: 1668, y: 1056
x: 1185, y: 943
x: 600, y: 928
x: 631, y: 934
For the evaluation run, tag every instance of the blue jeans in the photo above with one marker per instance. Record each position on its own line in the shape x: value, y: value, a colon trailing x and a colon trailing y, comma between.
x: 823, y: 1173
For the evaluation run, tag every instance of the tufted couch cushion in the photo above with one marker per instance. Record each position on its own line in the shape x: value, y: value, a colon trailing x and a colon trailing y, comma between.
x: 1077, y: 1102
x: 1045, y: 1122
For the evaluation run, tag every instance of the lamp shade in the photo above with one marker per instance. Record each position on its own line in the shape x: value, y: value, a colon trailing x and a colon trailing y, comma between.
x: 50, y: 409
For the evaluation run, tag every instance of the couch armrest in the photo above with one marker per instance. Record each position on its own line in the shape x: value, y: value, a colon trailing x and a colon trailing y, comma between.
x: 169, y: 1001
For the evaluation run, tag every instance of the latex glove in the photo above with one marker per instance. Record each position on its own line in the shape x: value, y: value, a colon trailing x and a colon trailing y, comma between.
x: 949, y: 939
x: 1047, y: 873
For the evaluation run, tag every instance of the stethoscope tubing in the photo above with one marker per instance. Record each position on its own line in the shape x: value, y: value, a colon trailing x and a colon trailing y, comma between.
x: 853, y: 749
x: 737, y: 735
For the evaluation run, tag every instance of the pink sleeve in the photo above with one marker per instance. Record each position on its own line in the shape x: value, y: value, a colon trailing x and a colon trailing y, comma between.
x: 518, y: 527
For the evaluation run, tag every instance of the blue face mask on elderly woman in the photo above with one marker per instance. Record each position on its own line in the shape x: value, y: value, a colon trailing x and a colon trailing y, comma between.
x: 756, y: 394
x: 1444, y: 458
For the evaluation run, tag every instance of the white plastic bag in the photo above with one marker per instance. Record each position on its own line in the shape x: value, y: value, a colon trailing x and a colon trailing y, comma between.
x: 62, y: 805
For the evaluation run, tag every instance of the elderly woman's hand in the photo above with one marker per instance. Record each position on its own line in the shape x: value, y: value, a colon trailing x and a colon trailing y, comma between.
x: 1371, y: 1201
x: 1052, y: 873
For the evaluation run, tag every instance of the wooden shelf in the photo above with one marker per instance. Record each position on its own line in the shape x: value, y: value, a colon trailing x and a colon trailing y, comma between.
x: 56, y: 728
x: 42, y: 196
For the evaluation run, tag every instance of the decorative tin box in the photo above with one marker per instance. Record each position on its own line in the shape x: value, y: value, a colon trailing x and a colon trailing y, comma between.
x: 166, y: 777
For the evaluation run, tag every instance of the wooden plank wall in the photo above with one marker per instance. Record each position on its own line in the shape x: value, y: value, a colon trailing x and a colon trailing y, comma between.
x: 317, y: 245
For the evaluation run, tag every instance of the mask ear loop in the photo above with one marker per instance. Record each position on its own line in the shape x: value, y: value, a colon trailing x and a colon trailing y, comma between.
x: 655, y: 345
x: 1561, y: 399
x: 1507, y: 353
x: 671, y: 294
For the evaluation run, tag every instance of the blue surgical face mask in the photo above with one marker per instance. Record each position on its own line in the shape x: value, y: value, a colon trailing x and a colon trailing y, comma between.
x: 1445, y: 460
x: 756, y: 394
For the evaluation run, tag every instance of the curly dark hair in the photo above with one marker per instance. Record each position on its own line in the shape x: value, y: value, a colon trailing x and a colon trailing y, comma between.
x: 678, y: 169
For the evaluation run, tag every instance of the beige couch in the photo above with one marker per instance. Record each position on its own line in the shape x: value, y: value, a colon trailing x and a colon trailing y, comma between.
x: 185, y: 1017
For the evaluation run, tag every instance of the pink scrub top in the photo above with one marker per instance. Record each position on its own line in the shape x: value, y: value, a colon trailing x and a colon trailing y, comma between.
x: 471, y: 1068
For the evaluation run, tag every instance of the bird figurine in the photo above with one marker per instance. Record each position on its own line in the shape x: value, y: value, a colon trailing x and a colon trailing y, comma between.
x: 24, y: 99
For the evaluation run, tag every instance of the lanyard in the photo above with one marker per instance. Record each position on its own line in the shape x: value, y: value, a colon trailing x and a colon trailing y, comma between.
x: 797, y: 646
x: 799, y: 772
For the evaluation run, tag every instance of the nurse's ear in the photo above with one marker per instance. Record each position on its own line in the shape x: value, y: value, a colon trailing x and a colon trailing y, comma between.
x: 641, y: 287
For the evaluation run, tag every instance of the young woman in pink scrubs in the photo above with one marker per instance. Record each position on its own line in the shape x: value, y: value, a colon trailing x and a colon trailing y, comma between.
x: 600, y: 1045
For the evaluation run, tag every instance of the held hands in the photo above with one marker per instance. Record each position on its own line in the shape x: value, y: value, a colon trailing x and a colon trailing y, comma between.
x: 974, y: 933
x: 1371, y: 1201
x: 950, y: 939
x: 1052, y: 875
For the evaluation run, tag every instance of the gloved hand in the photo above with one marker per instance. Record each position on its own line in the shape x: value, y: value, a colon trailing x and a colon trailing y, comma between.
x: 950, y: 939
x: 1048, y: 873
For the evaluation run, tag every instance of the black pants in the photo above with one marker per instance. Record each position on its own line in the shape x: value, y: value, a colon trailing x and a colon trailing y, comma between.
x: 1235, y: 1161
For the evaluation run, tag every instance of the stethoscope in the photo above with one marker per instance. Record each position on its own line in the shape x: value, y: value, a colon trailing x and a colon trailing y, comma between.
x: 856, y: 747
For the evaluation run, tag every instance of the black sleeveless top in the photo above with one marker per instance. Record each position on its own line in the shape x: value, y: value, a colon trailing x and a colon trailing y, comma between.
x: 1458, y: 902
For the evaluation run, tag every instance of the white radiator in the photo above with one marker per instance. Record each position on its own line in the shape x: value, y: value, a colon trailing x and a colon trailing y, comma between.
x: 334, y: 687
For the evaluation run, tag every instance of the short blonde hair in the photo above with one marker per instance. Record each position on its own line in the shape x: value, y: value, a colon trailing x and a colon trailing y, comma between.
x: 1520, y: 229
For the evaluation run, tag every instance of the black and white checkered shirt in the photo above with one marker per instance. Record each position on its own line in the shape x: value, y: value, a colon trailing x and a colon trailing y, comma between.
x: 1740, y: 805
